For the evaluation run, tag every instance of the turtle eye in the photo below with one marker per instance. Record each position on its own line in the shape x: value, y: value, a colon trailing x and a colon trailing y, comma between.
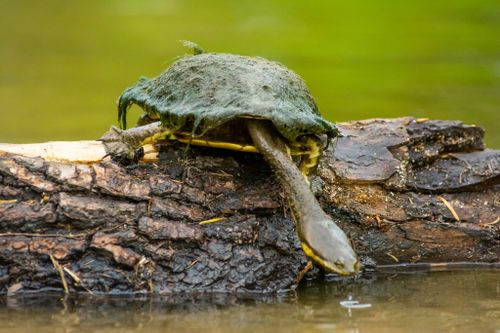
x: 339, y: 265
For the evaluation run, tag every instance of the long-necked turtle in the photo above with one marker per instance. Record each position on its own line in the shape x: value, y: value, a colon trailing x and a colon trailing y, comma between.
x: 247, y: 104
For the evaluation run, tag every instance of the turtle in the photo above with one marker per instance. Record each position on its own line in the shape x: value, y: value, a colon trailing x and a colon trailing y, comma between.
x: 248, y: 104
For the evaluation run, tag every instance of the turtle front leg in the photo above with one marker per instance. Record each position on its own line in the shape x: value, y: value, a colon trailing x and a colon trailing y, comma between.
x: 125, y: 146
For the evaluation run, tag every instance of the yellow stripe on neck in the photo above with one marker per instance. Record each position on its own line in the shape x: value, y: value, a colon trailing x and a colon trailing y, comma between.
x: 310, y: 253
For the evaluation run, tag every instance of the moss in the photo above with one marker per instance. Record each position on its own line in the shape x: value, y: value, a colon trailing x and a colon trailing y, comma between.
x: 204, y: 91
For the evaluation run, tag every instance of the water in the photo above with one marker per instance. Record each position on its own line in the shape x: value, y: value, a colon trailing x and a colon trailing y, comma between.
x: 64, y: 63
x: 463, y: 301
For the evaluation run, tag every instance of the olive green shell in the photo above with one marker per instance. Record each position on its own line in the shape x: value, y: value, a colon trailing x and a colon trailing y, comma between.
x: 206, y: 90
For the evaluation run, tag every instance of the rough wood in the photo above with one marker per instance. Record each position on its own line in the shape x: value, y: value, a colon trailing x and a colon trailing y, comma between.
x: 108, y: 228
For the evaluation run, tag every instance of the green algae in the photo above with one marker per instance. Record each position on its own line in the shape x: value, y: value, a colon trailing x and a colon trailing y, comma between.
x: 206, y: 90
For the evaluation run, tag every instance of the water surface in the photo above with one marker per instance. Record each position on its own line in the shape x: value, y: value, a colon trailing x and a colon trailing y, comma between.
x: 463, y: 301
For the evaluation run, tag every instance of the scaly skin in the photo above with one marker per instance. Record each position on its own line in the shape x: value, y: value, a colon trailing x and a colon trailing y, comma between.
x: 322, y: 240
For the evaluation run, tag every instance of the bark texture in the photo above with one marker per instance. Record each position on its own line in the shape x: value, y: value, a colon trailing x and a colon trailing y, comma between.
x: 405, y: 191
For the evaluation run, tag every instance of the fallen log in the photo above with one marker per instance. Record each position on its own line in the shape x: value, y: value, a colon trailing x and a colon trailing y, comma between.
x: 404, y: 190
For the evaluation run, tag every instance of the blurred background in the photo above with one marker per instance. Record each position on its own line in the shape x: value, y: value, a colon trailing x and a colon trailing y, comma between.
x: 63, y: 64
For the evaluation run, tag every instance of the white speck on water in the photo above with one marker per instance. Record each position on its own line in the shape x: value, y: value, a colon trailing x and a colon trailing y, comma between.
x: 351, y: 304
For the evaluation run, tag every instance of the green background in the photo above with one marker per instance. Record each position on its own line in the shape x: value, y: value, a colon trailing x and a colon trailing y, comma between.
x: 63, y: 64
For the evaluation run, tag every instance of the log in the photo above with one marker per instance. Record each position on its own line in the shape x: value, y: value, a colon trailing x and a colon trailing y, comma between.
x: 405, y: 190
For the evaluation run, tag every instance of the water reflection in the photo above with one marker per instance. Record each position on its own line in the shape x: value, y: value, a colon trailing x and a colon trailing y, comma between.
x: 445, y: 301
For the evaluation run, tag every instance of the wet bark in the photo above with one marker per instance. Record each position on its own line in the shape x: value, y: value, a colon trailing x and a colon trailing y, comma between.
x: 405, y: 191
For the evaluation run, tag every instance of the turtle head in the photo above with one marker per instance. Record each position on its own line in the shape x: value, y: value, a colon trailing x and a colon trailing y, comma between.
x: 327, y: 245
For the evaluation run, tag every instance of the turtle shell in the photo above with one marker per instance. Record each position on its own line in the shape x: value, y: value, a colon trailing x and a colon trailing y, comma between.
x: 204, y: 91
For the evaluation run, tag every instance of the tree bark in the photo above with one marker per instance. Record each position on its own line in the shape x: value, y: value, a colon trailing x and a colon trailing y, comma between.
x: 404, y: 190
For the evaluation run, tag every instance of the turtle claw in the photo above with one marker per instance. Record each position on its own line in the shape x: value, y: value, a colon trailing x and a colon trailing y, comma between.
x: 116, y: 146
x: 125, y: 146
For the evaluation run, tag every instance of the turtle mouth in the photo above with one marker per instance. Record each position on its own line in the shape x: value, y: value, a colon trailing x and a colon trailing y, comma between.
x: 346, y: 272
x: 338, y: 267
x: 341, y: 269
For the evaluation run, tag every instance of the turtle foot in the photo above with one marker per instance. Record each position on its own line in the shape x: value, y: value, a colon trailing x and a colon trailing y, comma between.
x: 119, y: 146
